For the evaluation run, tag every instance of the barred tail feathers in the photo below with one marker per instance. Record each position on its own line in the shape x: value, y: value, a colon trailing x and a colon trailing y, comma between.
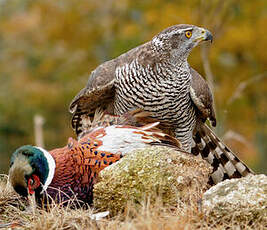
x: 226, y: 164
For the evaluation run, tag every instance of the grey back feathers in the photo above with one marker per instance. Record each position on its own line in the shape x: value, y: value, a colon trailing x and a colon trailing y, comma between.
x: 157, y: 78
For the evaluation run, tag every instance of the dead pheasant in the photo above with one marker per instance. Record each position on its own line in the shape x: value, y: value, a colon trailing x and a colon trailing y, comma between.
x: 73, y: 170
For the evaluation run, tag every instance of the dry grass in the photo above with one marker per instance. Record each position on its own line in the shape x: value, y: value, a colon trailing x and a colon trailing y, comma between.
x: 16, y: 213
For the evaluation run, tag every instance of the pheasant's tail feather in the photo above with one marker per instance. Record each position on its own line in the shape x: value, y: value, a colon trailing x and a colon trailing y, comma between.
x: 157, y: 137
x: 136, y: 118
x: 226, y: 164
x: 168, y: 140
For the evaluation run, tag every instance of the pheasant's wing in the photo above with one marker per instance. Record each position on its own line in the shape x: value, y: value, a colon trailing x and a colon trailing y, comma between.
x: 122, y: 139
x: 153, y: 136
x: 88, y: 155
x: 201, y: 96
x: 99, y: 92
x: 226, y: 164
x: 104, y: 146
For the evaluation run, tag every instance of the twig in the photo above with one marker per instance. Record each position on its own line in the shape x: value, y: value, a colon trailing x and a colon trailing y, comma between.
x: 232, y: 135
x: 38, y: 130
x: 207, y: 70
x: 206, y: 65
x: 243, y: 85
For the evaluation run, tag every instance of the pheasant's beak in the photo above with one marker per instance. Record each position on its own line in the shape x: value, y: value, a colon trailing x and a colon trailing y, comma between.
x: 18, y: 181
x: 17, y: 175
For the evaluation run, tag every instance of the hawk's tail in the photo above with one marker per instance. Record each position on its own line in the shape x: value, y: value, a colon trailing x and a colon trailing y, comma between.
x: 226, y: 164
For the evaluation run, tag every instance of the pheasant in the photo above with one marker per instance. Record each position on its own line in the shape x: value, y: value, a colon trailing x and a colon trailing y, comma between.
x: 72, y: 171
x: 157, y: 78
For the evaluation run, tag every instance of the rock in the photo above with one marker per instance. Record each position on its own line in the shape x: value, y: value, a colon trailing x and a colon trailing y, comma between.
x: 153, y: 172
x: 243, y: 199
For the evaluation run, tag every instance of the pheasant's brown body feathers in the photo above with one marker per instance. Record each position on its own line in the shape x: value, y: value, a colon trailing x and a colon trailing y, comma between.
x: 79, y: 163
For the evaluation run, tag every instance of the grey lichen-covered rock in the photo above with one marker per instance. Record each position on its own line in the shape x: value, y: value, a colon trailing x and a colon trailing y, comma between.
x: 153, y: 172
x: 243, y: 199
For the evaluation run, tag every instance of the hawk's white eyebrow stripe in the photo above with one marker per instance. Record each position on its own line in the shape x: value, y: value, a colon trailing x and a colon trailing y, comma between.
x: 157, y: 39
x: 189, y: 28
x: 180, y: 31
x: 183, y: 30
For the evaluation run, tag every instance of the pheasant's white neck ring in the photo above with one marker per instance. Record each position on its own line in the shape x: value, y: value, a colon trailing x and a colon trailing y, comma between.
x: 51, y: 168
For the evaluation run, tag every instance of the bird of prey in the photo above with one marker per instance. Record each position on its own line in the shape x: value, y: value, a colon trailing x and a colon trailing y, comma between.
x: 72, y: 171
x: 157, y: 78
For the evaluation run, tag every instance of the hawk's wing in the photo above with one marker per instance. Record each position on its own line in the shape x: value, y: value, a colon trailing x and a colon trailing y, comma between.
x: 99, y: 92
x: 201, y: 95
x: 100, y: 89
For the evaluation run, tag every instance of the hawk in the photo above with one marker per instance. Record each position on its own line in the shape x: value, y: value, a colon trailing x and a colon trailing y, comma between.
x: 157, y: 78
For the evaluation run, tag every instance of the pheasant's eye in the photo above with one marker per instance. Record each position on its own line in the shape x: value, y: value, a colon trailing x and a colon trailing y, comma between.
x: 188, y: 34
x: 27, y: 153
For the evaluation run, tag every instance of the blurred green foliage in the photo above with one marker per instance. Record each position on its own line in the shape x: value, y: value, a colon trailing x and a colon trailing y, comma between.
x: 48, y: 48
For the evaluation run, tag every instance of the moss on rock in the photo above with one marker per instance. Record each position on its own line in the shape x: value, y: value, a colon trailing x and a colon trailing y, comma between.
x: 153, y: 172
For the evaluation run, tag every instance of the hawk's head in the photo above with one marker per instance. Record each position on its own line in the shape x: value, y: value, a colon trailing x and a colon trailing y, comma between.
x: 179, y: 40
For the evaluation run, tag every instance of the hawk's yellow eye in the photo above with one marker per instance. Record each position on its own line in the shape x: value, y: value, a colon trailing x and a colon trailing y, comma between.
x: 188, y: 34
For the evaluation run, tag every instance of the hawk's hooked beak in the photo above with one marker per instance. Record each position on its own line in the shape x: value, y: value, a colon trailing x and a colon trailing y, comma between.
x: 205, y: 35
x: 208, y: 36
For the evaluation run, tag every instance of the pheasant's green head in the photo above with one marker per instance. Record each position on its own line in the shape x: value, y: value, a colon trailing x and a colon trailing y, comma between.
x: 31, y: 170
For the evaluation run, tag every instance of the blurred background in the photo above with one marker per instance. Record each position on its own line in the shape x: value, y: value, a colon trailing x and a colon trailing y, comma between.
x: 48, y: 48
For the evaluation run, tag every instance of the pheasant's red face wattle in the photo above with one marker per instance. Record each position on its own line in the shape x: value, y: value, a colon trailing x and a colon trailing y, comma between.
x: 33, y: 183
